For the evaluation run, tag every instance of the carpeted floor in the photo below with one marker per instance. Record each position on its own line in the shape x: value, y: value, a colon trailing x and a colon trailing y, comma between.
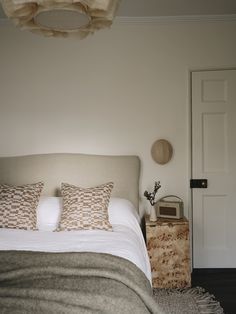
x: 187, y: 301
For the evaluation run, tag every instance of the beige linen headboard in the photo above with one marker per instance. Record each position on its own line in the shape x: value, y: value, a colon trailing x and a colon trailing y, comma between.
x: 78, y: 169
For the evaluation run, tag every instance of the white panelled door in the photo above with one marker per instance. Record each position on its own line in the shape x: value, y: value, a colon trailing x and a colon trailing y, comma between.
x: 214, y: 159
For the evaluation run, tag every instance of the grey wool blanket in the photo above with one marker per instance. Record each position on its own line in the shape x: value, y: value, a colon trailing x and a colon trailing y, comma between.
x: 37, y: 282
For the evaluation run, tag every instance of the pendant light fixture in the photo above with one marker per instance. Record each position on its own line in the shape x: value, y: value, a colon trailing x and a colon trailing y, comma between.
x: 61, y: 18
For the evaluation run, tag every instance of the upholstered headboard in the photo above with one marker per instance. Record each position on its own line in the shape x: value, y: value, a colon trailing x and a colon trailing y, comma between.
x: 78, y: 169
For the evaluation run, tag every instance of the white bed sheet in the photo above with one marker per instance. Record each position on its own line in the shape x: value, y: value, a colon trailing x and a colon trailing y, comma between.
x: 124, y: 241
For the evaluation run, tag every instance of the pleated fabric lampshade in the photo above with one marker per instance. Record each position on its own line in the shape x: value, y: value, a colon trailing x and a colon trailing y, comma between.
x: 61, y: 18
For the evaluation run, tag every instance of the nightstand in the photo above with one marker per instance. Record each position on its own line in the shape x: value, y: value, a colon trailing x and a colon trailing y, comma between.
x: 168, y: 249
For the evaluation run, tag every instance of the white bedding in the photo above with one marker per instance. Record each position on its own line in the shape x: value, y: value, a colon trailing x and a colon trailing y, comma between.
x: 123, y: 242
x: 126, y: 239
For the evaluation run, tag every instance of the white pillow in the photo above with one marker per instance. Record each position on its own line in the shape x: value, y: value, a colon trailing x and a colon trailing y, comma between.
x: 49, y: 213
x: 120, y: 211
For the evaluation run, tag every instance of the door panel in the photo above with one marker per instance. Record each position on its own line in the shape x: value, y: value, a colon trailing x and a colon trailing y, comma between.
x: 214, y: 159
x: 214, y: 136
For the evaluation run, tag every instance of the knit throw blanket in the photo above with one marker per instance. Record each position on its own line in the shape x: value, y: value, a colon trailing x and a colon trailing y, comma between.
x: 38, y: 282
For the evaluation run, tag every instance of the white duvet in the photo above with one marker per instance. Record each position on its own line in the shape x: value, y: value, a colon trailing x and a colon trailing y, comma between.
x: 126, y: 239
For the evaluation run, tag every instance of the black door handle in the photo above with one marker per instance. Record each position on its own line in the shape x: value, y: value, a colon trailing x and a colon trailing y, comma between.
x: 198, y: 183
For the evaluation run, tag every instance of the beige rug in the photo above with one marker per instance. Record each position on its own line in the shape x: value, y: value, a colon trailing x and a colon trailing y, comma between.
x: 187, y: 301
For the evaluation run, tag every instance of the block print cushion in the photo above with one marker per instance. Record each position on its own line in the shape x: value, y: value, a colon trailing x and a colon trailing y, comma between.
x: 18, y: 205
x: 85, y: 208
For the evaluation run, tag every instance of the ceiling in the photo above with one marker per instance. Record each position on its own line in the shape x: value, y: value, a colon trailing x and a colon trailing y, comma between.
x: 160, y: 8
x: 143, y: 8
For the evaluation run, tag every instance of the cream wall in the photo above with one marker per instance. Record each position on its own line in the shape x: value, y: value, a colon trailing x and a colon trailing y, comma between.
x: 113, y: 93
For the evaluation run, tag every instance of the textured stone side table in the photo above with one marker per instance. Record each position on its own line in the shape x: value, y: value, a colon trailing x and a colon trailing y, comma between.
x: 169, y: 252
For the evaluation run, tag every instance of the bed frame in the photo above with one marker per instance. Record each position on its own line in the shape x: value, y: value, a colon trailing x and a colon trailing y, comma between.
x: 78, y: 169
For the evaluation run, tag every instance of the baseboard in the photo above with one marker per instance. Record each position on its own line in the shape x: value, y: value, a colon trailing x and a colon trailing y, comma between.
x: 213, y: 270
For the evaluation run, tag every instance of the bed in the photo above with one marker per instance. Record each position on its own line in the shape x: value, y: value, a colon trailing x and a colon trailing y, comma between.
x: 61, y: 265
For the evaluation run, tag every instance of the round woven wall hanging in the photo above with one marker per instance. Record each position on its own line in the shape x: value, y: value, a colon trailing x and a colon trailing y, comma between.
x: 161, y: 151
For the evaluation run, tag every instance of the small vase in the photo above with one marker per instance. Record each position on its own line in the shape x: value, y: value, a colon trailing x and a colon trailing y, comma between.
x: 153, y: 214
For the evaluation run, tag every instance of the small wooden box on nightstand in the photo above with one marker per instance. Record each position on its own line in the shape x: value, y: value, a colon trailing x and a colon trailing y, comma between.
x: 168, y: 249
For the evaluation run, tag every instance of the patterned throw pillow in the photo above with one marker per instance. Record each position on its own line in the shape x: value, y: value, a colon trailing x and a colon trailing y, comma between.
x: 85, y: 208
x: 18, y: 205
